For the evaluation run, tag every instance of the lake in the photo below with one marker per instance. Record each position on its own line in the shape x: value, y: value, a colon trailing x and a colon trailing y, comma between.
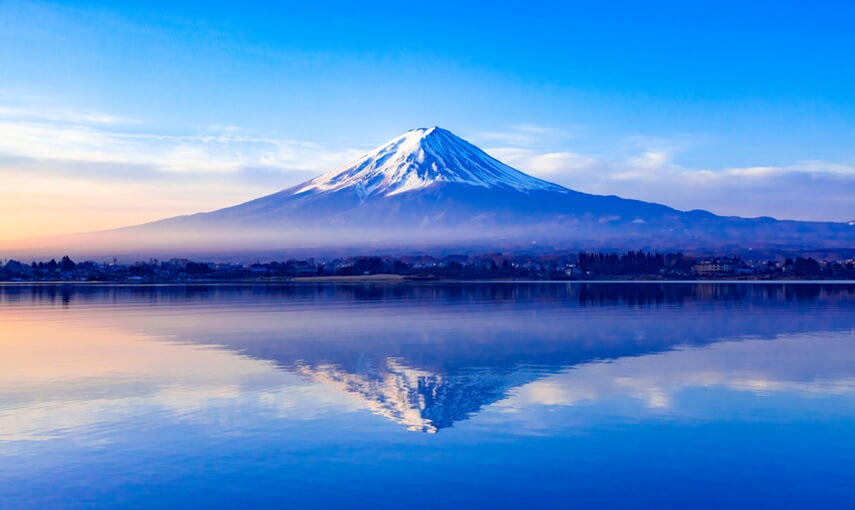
x: 428, y: 395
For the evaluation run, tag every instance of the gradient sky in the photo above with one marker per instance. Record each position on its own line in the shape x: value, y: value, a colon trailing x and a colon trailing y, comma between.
x: 115, y: 113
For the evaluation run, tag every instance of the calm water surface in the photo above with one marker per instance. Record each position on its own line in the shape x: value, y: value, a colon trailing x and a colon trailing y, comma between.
x: 428, y: 396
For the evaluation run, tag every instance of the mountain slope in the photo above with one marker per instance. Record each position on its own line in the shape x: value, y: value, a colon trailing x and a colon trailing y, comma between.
x: 426, y: 178
x: 429, y: 189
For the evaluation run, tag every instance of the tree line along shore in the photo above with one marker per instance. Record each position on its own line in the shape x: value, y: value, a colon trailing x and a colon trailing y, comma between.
x: 638, y: 265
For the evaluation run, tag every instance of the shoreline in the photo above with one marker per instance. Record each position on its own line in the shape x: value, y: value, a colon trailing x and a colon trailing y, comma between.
x: 401, y: 279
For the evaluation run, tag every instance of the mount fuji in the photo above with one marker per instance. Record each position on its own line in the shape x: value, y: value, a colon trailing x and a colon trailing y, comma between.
x: 429, y: 189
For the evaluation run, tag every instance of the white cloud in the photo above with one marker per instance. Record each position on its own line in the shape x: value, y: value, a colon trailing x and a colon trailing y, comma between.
x: 227, y: 150
x: 527, y: 135
x: 96, y: 171
x: 64, y: 116
x: 645, y: 168
x: 556, y: 162
x: 652, y: 160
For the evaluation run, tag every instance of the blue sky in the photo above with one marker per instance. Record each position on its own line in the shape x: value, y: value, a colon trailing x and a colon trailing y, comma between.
x: 118, y: 112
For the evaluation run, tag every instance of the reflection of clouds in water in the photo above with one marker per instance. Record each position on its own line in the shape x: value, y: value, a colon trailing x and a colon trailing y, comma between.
x: 88, y: 419
x: 59, y: 380
x: 806, y: 365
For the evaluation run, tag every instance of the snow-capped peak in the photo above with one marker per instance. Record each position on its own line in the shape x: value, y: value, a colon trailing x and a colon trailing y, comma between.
x: 420, y: 158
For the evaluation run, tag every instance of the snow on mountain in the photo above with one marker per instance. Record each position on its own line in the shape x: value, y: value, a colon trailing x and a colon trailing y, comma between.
x: 420, y: 158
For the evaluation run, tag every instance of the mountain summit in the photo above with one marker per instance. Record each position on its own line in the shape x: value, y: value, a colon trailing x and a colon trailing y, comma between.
x: 429, y: 190
x: 420, y: 158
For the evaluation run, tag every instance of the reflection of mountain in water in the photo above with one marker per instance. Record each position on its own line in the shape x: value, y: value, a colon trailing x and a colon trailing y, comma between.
x: 421, y: 400
x: 427, y: 356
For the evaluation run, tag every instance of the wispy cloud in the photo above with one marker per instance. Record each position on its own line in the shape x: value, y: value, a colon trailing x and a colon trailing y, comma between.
x: 224, y: 150
x: 526, y: 135
x: 27, y: 114
x: 91, y: 171
x: 645, y: 168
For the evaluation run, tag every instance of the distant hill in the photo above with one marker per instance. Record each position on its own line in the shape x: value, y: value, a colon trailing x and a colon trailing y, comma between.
x: 431, y: 190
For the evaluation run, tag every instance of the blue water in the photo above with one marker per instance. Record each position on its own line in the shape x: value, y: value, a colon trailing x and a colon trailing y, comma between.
x: 428, y: 396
